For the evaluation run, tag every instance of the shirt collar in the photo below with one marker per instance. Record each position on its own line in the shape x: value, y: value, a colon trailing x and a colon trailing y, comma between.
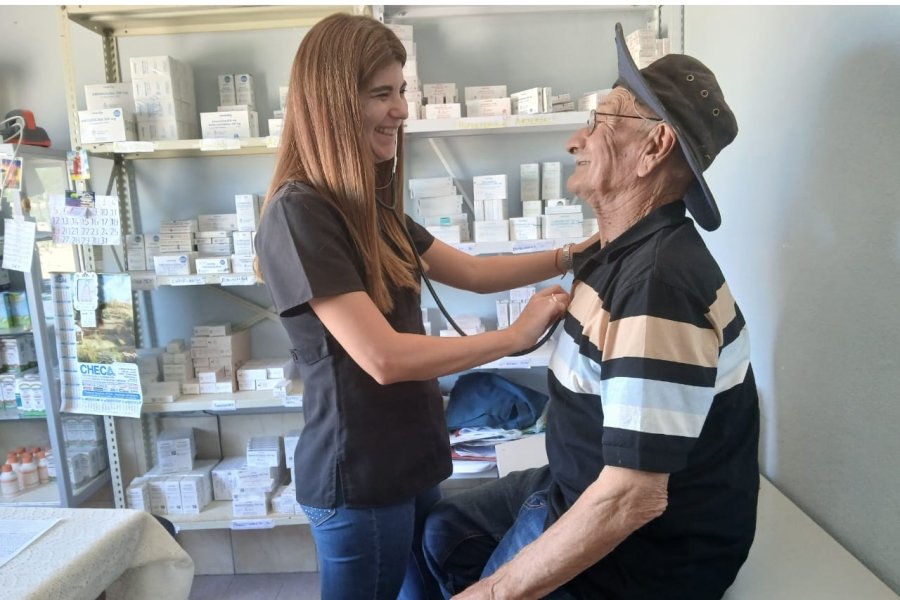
x: 668, y: 215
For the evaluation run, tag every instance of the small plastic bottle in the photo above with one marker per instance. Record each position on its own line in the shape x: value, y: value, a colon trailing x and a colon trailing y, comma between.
x: 9, y: 481
x: 28, y: 471
x: 14, y: 460
x: 42, y: 466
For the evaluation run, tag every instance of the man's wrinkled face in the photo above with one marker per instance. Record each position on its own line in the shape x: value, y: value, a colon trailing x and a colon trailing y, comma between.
x: 606, y: 158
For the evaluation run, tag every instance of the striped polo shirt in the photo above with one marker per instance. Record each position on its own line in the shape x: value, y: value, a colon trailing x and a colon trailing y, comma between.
x: 652, y: 372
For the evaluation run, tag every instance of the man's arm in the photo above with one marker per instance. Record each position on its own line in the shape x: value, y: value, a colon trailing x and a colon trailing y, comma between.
x: 618, y: 503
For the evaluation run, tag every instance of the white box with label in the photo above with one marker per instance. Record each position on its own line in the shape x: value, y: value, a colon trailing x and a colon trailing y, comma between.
x: 229, y: 124
x: 107, y: 125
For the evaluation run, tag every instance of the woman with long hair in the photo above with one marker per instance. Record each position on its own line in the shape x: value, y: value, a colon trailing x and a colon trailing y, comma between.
x: 334, y: 253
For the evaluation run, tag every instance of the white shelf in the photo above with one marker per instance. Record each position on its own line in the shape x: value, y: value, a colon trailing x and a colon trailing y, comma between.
x: 164, y: 20
x: 148, y: 280
x: 186, y: 148
x: 219, y: 515
x: 418, y: 128
x: 225, y: 402
x: 540, y: 123
x: 12, y: 414
x: 45, y: 494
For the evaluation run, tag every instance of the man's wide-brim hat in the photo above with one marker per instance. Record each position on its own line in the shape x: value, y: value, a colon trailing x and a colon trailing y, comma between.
x: 684, y: 93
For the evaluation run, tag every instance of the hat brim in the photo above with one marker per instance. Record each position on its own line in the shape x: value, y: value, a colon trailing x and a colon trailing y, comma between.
x: 698, y: 199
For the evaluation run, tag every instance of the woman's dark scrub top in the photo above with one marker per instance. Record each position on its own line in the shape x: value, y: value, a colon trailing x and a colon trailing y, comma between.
x: 386, y: 443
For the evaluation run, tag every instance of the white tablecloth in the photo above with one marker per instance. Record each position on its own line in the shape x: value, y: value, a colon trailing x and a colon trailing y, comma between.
x: 125, y: 552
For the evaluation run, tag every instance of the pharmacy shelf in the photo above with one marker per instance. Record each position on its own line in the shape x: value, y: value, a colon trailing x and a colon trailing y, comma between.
x: 540, y: 123
x: 148, y: 280
x: 219, y: 514
x: 185, y: 148
x: 420, y: 128
x: 12, y: 414
x: 162, y: 20
x: 514, y: 247
x: 229, y: 403
x: 47, y: 494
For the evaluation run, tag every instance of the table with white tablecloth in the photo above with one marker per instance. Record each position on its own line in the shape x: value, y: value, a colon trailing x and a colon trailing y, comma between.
x: 125, y: 552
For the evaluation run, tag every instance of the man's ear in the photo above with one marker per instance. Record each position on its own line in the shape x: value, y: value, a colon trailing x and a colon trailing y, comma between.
x: 661, y: 142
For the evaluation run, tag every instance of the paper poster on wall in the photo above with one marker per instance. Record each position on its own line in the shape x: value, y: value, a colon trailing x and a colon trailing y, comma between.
x: 95, y: 322
x: 18, y: 244
x: 85, y: 218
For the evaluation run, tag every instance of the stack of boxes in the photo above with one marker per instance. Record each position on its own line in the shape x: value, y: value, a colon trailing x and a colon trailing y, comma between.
x: 441, y: 101
x: 236, y: 115
x: 174, y: 255
x: 216, y: 354
x: 254, y: 484
x: 277, y: 122
x: 214, y: 243
x: 509, y: 310
x: 410, y: 70
x: 284, y: 499
x: 645, y: 47
x: 178, y: 484
x: 210, y: 244
x: 562, y: 103
x: 491, y: 212
x: 20, y: 384
x: 440, y: 208
x: 487, y: 101
x: 164, y: 102
x: 84, y: 437
x: 261, y: 374
x: 177, y: 366
x: 532, y: 101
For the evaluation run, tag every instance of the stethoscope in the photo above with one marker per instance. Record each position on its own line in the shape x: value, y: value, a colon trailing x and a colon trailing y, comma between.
x: 392, y: 207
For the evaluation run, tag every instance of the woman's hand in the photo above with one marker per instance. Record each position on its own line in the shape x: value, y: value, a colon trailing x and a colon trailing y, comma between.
x: 545, y: 308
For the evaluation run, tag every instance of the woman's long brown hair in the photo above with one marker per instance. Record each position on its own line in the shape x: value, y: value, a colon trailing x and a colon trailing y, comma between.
x: 323, y: 145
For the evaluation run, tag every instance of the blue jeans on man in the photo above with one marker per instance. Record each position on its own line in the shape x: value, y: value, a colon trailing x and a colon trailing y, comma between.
x: 470, y: 535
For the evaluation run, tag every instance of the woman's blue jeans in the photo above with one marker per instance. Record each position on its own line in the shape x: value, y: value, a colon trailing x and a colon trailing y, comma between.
x: 373, y: 553
x: 470, y: 535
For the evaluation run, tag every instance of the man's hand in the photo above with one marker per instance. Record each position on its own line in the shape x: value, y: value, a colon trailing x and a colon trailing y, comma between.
x: 619, y: 502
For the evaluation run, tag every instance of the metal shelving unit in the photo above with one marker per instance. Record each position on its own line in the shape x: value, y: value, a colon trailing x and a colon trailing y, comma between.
x: 112, y: 23
x: 60, y: 492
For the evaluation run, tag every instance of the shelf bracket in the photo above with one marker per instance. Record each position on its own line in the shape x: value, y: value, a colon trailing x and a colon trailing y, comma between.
x: 446, y: 165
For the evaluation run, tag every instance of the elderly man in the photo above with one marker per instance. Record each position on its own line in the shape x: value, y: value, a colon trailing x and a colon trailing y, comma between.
x: 653, y: 422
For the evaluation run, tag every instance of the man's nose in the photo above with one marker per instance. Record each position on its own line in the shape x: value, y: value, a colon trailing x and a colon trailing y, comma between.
x: 576, y: 141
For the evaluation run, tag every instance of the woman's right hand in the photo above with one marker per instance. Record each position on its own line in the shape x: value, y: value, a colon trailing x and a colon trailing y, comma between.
x: 545, y: 308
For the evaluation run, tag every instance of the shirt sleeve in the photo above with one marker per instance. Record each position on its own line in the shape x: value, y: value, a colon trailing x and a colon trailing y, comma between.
x: 305, y: 250
x: 659, y: 363
x: 421, y: 237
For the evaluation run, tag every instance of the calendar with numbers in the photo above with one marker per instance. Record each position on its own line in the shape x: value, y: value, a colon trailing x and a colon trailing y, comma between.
x: 85, y: 218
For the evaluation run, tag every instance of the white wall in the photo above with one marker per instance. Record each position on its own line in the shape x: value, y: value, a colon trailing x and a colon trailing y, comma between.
x: 811, y: 236
x: 811, y: 248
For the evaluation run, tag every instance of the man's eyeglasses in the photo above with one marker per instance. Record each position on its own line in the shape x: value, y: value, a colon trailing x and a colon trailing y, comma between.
x: 592, y: 120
